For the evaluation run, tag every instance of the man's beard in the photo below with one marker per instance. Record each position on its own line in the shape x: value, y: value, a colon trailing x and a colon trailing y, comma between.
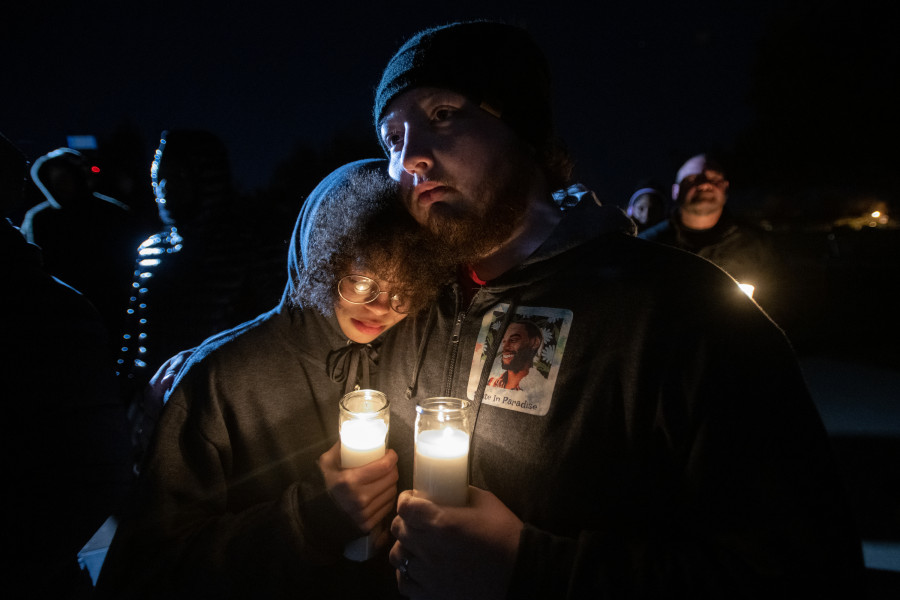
x: 470, y: 231
x: 519, y: 362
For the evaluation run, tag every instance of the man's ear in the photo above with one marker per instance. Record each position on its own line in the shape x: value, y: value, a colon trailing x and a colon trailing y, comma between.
x: 675, y: 190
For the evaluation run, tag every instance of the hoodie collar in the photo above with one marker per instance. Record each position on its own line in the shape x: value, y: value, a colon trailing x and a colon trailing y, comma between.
x: 585, y: 218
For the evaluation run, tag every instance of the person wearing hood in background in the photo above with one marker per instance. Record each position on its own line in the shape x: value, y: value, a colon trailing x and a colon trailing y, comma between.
x: 646, y: 207
x: 66, y: 454
x: 87, y: 238
x: 675, y: 451
x: 200, y: 274
x: 241, y: 494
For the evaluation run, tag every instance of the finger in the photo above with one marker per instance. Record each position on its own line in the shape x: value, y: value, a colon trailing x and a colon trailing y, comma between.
x: 409, y: 587
x: 396, y: 555
x: 398, y: 529
x: 386, y: 466
x: 331, y: 458
x: 478, y: 496
x: 383, y: 537
x: 416, y: 511
x: 404, y: 564
x: 414, y: 542
x: 380, y: 508
x: 352, y: 482
x: 367, y: 505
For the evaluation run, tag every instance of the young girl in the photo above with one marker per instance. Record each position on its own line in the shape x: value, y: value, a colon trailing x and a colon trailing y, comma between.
x: 241, y: 493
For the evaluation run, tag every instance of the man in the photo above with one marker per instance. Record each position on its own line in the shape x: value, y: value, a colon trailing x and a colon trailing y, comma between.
x: 702, y: 224
x: 676, y: 451
x: 521, y: 342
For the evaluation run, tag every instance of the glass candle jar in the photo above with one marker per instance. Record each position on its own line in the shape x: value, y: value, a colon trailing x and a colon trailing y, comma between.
x: 441, y: 467
x: 364, y: 421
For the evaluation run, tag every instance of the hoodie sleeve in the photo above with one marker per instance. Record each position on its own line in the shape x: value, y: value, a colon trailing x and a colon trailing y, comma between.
x: 197, y: 530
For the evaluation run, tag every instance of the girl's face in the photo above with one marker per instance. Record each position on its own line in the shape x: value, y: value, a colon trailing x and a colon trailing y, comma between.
x: 362, y: 323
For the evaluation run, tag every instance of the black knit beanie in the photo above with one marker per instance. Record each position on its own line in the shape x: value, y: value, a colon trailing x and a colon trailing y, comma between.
x: 497, y: 66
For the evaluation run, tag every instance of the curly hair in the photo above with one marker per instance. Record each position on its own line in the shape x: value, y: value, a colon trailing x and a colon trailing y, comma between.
x: 363, y: 224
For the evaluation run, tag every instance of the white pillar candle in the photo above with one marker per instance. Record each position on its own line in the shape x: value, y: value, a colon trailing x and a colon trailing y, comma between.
x: 441, y: 468
x: 362, y: 441
x: 364, y: 418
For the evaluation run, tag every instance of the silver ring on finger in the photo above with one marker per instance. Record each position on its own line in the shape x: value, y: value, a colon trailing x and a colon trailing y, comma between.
x: 404, y: 569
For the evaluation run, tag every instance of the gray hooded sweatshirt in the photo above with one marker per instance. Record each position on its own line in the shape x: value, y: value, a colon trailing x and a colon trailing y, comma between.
x: 666, y: 445
x: 230, y: 502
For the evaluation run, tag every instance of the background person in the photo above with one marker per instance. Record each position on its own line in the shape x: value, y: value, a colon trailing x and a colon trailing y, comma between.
x: 87, y: 238
x: 702, y: 224
x: 66, y: 455
x: 646, y: 207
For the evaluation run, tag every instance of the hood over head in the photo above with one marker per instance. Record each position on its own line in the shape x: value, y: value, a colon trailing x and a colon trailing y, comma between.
x: 354, y: 222
x: 305, y: 227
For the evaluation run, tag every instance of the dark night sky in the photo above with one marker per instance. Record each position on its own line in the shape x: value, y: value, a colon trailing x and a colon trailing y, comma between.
x: 638, y: 86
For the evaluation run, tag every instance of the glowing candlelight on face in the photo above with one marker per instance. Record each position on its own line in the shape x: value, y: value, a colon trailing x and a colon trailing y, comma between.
x: 441, y: 468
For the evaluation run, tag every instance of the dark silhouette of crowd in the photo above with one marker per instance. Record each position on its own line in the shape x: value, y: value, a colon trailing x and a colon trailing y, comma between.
x: 90, y: 311
x: 66, y: 452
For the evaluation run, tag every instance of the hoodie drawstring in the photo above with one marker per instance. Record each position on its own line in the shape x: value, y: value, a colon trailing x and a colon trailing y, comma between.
x: 420, y: 355
x: 344, y: 363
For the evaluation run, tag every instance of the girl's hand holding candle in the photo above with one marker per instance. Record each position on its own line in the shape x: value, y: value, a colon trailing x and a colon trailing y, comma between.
x: 363, y: 428
x: 375, y: 481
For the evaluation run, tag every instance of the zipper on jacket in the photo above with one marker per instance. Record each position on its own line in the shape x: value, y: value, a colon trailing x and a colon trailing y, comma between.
x: 454, y: 343
x: 454, y: 353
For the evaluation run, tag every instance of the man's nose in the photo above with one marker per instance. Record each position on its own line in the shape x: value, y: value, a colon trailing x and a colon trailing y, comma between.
x: 417, y: 158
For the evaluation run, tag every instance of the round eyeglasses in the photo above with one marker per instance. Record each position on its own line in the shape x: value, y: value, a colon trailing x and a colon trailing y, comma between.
x: 359, y: 289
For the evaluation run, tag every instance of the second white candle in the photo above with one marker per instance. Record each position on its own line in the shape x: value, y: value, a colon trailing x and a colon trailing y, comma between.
x: 441, y: 468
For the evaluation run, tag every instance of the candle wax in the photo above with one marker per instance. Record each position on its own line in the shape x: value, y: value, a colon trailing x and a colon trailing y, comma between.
x: 362, y: 441
x: 441, y: 468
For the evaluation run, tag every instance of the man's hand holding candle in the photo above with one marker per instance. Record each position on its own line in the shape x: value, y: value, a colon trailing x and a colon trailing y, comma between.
x: 454, y: 552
